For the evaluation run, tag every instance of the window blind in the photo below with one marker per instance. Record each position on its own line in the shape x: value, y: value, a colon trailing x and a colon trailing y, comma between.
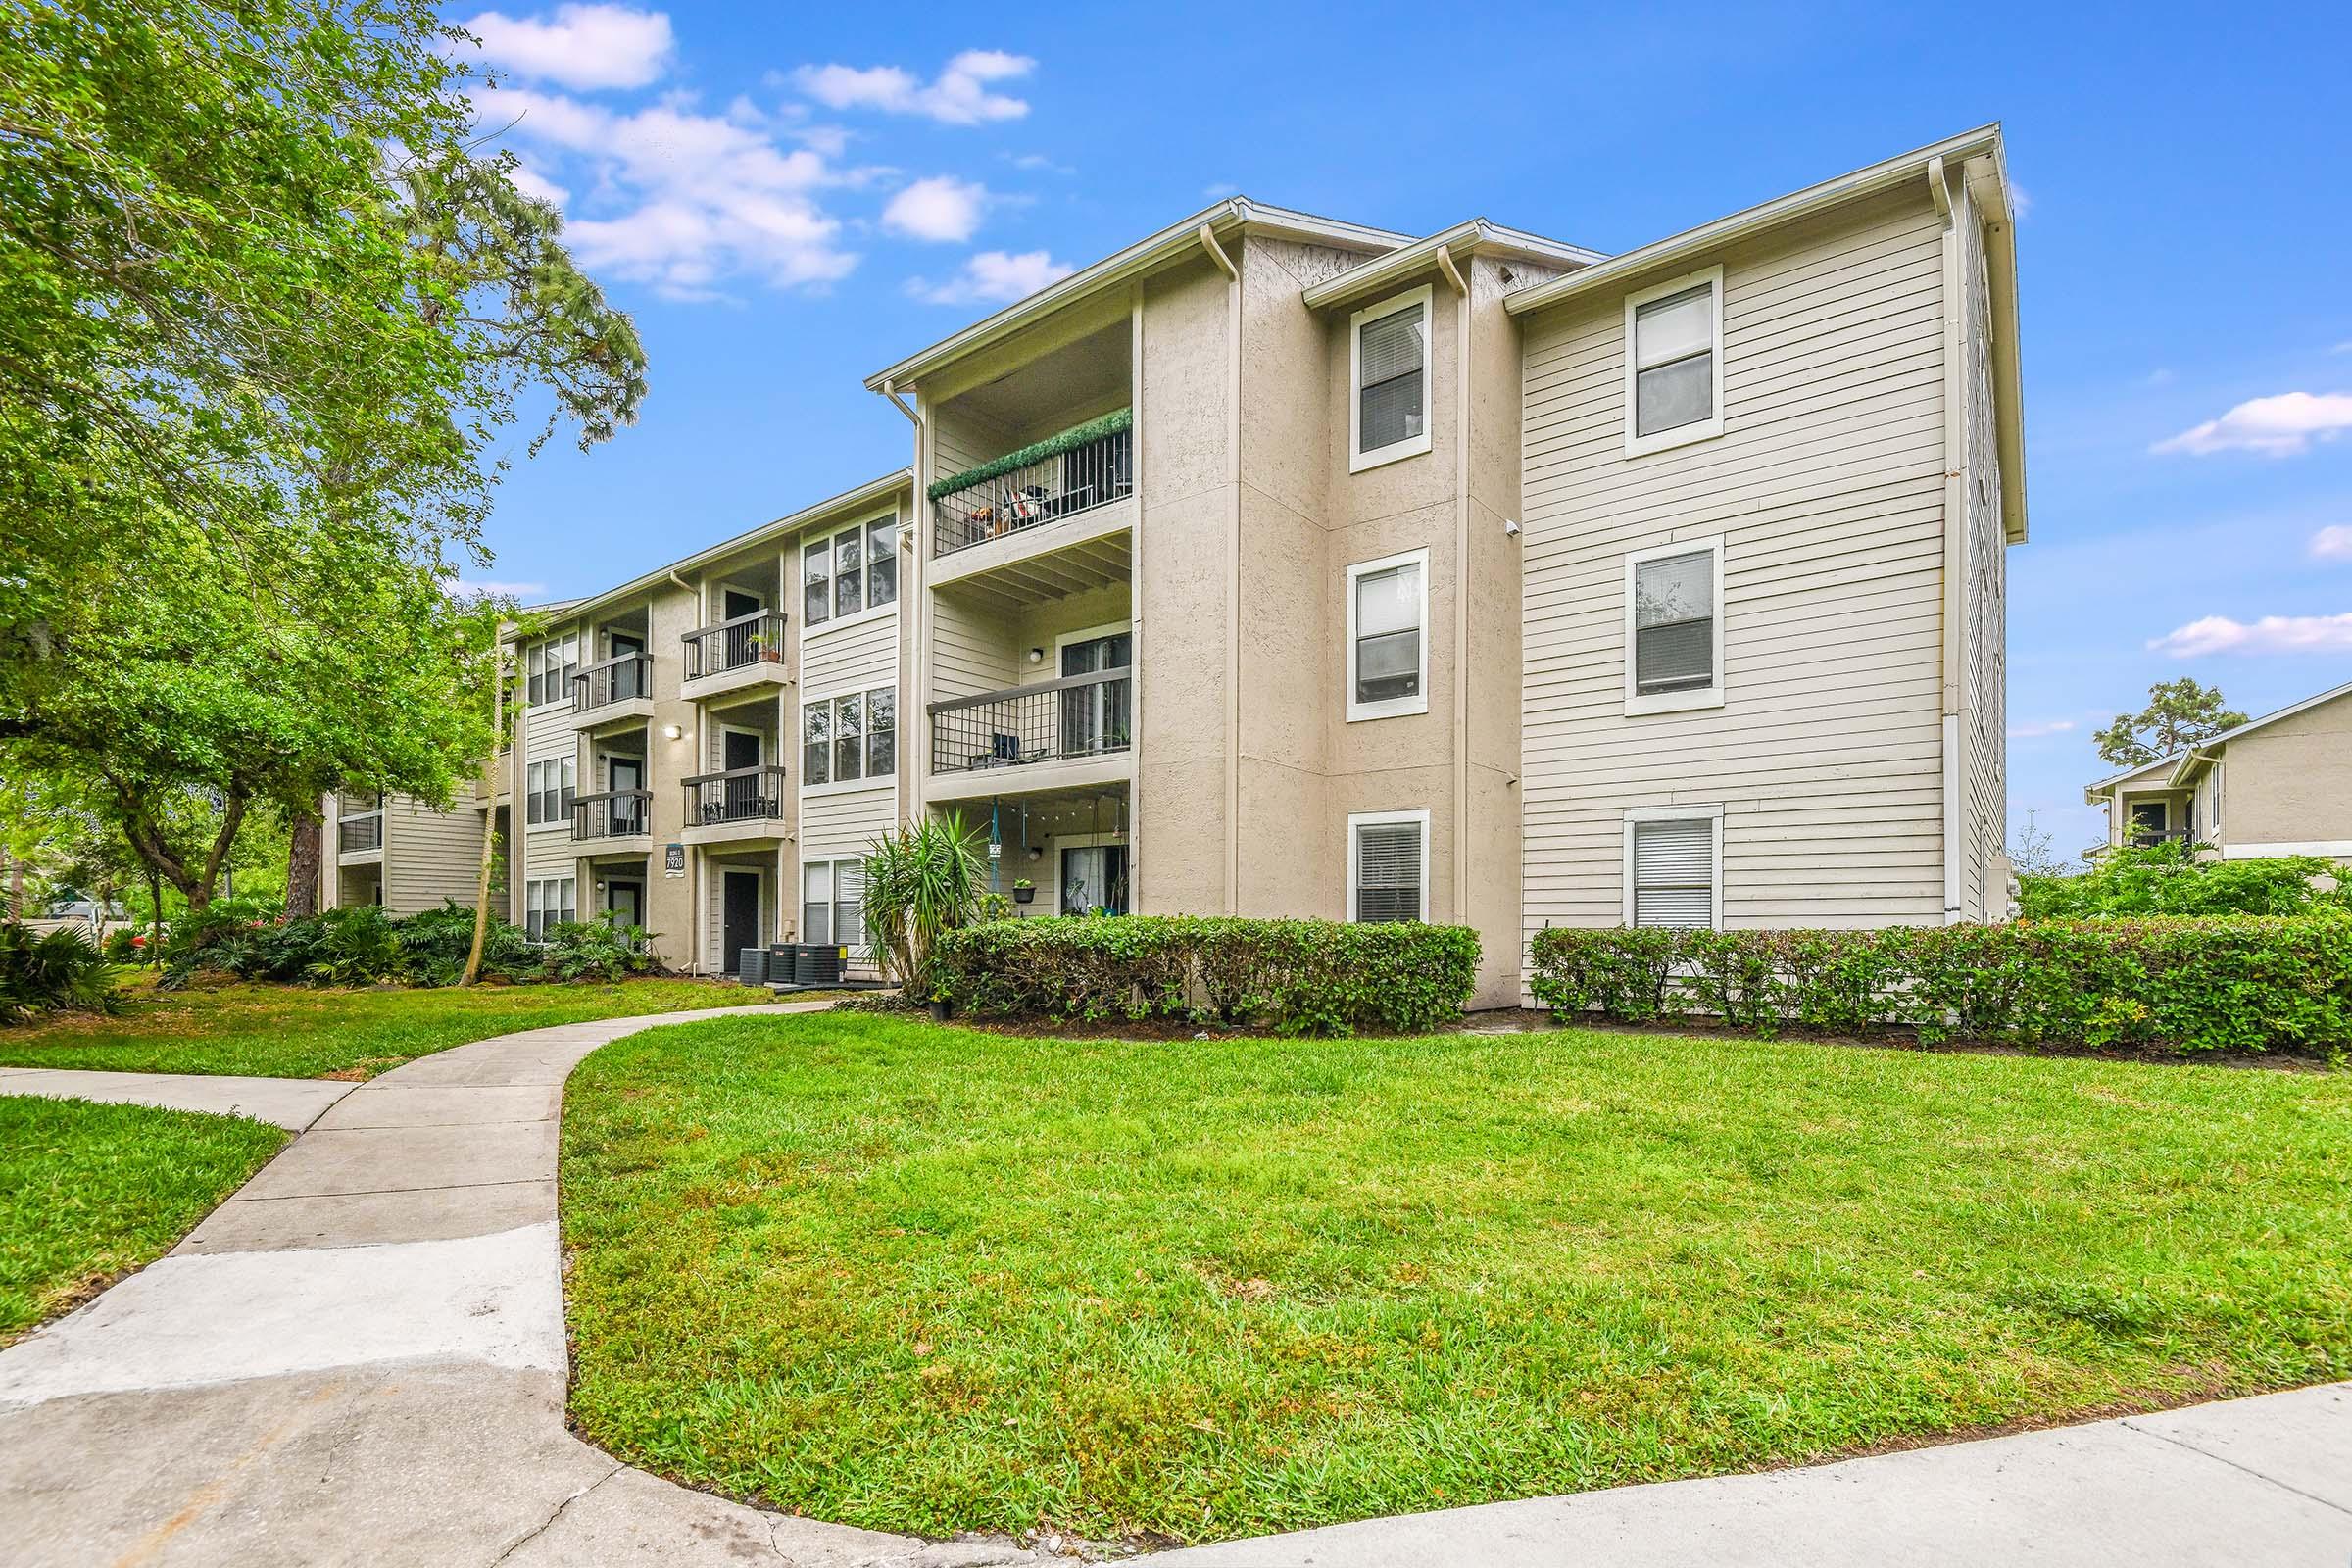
x: 1388, y: 635
x: 1390, y: 354
x: 1674, y: 354
x: 1674, y: 873
x: 1673, y: 622
x: 1388, y: 871
x: 816, y: 903
x: 849, y: 909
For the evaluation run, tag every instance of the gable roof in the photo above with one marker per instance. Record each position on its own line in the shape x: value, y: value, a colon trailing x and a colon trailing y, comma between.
x: 2203, y: 751
x: 2091, y: 792
x: 1381, y: 272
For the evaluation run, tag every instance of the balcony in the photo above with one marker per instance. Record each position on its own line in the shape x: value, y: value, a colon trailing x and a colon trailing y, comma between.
x: 618, y: 688
x: 1050, y: 735
x: 360, y: 835
x: 745, y: 651
x: 742, y: 803
x: 1069, y: 475
x: 612, y: 814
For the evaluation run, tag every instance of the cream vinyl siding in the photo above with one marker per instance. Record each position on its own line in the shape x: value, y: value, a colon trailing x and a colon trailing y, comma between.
x: 1827, y: 488
x: 1985, y: 617
x: 438, y: 854
x: 863, y: 655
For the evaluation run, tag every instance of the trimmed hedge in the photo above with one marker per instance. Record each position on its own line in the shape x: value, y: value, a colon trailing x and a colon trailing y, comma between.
x: 2241, y: 984
x: 1295, y: 976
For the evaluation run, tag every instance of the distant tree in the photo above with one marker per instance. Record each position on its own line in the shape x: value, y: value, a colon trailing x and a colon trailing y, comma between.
x: 2179, y: 713
x: 2032, y: 856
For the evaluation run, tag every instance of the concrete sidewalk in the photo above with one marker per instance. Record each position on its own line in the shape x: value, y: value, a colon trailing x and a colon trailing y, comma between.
x: 361, y: 1358
x: 290, y: 1102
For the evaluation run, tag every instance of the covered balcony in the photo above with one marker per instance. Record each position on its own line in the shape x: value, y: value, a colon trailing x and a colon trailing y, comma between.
x: 1070, y: 726
x: 743, y: 792
x: 1064, y: 475
x: 621, y: 809
x: 1059, y: 851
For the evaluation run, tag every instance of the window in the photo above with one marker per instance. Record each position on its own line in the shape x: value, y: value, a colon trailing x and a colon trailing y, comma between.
x: 1674, y: 363
x: 1388, y: 413
x: 1673, y: 635
x: 1387, y: 866
x: 1388, y: 655
x: 547, y: 668
x: 548, y: 790
x: 855, y: 570
x: 816, y: 583
x: 832, y: 910
x: 844, y: 739
x: 1674, y: 868
x: 547, y: 903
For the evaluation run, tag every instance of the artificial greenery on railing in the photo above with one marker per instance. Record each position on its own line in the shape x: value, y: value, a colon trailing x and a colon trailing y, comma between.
x: 1075, y: 436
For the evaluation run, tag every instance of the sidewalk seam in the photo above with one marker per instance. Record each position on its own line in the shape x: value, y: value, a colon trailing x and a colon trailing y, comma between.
x: 549, y: 1523
x: 2127, y: 1424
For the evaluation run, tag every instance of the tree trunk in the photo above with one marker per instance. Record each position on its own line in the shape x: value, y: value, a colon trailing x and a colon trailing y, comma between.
x: 305, y: 853
x: 155, y: 935
x: 481, y: 894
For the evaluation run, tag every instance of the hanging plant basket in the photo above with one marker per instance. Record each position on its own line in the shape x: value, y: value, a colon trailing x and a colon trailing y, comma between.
x: 1024, y: 895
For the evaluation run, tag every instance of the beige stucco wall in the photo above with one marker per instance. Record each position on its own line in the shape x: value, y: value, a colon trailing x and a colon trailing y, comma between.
x: 2290, y: 781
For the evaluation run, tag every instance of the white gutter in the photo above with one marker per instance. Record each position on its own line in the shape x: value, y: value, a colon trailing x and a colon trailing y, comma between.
x: 1462, y: 239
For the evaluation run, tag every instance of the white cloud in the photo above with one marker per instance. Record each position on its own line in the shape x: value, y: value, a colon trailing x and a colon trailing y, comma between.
x: 2345, y: 347
x: 537, y: 186
x: 942, y: 207
x: 499, y: 590
x: 2035, y: 729
x: 2019, y: 203
x: 2332, y: 543
x: 2272, y: 634
x: 996, y: 276
x: 1038, y: 163
x: 682, y: 201
x: 1220, y: 190
x: 2275, y: 426
x: 959, y: 96
x: 584, y: 46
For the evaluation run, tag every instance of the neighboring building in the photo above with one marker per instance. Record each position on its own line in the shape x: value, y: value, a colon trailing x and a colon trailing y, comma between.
x: 1281, y: 566
x: 2279, y: 785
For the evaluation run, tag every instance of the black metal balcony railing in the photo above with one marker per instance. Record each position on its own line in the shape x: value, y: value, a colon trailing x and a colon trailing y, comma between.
x: 617, y: 680
x: 755, y: 638
x: 612, y: 814
x: 1080, y: 479
x: 354, y: 834
x: 737, y: 795
x: 2147, y: 838
x: 1051, y: 721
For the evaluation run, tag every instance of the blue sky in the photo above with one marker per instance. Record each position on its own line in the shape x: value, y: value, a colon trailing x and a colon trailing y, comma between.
x: 788, y: 201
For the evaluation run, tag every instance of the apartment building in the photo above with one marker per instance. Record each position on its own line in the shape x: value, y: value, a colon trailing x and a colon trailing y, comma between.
x: 2281, y: 784
x: 1281, y: 566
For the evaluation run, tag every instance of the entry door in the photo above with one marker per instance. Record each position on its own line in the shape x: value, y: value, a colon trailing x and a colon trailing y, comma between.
x: 742, y: 750
x: 737, y: 605
x: 739, y: 917
x: 1093, y: 719
x: 629, y: 815
x: 1094, y: 878
x: 624, y: 903
x: 628, y: 680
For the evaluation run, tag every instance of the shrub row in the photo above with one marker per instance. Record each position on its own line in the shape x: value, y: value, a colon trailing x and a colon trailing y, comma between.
x: 2246, y: 984
x: 363, y: 945
x: 1296, y: 976
x: 2170, y: 879
x: 50, y: 972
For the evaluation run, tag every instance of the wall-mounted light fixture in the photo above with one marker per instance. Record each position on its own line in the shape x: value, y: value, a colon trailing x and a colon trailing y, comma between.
x: 1037, y: 656
x: 1036, y: 853
x: 671, y: 733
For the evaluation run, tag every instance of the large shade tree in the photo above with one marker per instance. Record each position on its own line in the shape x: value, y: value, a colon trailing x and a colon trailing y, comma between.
x: 2179, y: 713
x: 263, y: 310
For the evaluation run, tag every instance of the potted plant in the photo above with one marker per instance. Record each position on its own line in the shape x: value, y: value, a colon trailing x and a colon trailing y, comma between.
x: 1024, y: 890
x: 768, y: 651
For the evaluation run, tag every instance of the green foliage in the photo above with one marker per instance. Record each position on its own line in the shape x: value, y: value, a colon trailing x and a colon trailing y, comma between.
x: 591, y: 950
x: 921, y: 881
x: 2179, y: 713
x: 2238, y: 984
x: 1296, y: 976
x: 2169, y: 879
x: 123, y: 945
x: 1076, y: 436
x: 52, y: 972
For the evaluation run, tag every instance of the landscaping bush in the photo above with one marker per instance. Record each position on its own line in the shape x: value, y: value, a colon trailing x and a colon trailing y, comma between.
x: 2168, y: 879
x: 362, y: 944
x: 125, y: 945
x: 1297, y: 976
x: 2187, y: 986
x: 51, y: 972
x: 590, y: 949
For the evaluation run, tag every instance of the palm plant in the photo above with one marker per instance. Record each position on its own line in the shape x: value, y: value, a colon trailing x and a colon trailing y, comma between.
x: 921, y: 880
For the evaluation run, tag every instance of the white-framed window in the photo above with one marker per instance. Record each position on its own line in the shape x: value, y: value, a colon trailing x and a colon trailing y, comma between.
x: 1388, y: 384
x: 547, y: 902
x: 548, y: 790
x: 1674, y: 868
x: 850, y: 738
x: 1387, y: 636
x: 1387, y: 866
x: 548, y: 667
x: 1674, y: 363
x: 850, y: 571
x: 1674, y: 627
x: 832, y: 907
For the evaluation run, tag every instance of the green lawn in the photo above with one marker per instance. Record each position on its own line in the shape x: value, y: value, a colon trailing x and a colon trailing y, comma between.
x: 276, y: 1031
x: 928, y: 1279
x: 89, y: 1192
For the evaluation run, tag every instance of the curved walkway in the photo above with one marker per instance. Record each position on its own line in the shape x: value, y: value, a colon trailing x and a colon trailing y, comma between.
x: 361, y: 1358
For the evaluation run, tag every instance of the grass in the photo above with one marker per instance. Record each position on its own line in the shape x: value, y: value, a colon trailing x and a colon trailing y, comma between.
x: 275, y: 1031
x: 929, y: 1279
x: 91, y: 1192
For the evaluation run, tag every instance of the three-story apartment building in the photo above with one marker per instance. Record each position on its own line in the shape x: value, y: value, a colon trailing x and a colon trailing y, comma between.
x: 1280, y: 565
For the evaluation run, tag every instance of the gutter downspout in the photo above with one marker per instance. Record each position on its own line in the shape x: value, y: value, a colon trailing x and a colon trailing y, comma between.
x: 1463, y: 576
x: 1955, y: 548
x: 914, y: 632
x: 693, y: 861
x: 1233, y: 569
